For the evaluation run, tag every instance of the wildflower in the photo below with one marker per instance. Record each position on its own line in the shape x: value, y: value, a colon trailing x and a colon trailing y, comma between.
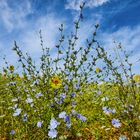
x: 12, y: 83
x: 67, y: 119
x: 50, y: 105
x: 130, y: 107
x: 74, y: 112
x: 15, y: 106
x: 99, y: 92
x: 62, y: 114
x: 36, y: 82
x: 77, y: 86
x: 58, y: 101
x: 26, y: 90
x: 73, y: 94
x: 122, y: 137
x: 14, y: 100
x: 63, y: 95
x: 116, y: 123
x: 17, y: 112
x: 24, y: 117
x: 12, y: 132
x: 105, y: 99
x: 101, y: 83
x: 66, y: 87
x: 81, y: 117
x: 32, y: 105
x: 73, y: 103
x: 52, y: 133
x: 56, y: 82
x: 108, y: 110
x: 68, y: 125
x: 29, y: 100
x: 136, y: 77
x: 38, y: 95
x: 98, y: 70
x: 39, y: 123
x: 11, y: 68
x: 53, y: 123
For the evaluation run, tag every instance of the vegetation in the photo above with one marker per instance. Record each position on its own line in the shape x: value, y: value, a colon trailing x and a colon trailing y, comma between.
x: 70, y: 96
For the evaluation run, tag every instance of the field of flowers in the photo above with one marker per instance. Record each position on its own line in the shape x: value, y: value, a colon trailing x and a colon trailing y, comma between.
x: 71, y: 97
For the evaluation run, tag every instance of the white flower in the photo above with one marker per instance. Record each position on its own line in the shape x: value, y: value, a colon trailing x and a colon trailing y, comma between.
x: 12, y: 132
x: 53, y: 123
x: 17, y: 112
x: 38, y: 95
x: 62, y: 114
x: 14, y: 100
x: 52, y: 133
x: 39, y: 123
x: 116, y: 123
x: 105, y: 99
x: 122, y: 137
x: 15, y: 106
x: 29, y: 100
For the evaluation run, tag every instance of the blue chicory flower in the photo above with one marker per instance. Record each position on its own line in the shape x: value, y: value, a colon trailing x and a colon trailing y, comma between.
x: 68, y: 125
x: 38, y: 95
x: 73, y: 103
x: 29, y: 100
x: 67, y: 119
x: 99, y: 92
x: 63, y: 95
x: 66, y: 87
x: 122, y: 137
x: 58, y: 101
x: 73, y: 94
x: 12, y: 132
x: 108, y: 110
x: 77, y: 86
x: 24, y: 117
x: 52, y: 133
x: 81, y: 117
x: 53, y: 123
x: 39, y: 123
x: 116, y: 123
x: 17, y: 112
x: 62, y: 114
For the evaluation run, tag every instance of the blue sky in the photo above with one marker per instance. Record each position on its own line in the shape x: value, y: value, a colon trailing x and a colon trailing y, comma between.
x: 21, y: 21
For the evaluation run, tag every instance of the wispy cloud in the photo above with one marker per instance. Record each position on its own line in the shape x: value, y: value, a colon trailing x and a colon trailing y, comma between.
x: 128, y: 36
x: 129, y: 39
x: 14, y: 17
x: 75, y: 4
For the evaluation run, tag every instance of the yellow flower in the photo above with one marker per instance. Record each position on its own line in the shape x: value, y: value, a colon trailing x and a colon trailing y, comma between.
x: 136, y: 77
x: 11, y: 68
x: 56, y: 82
x: 98, y: 70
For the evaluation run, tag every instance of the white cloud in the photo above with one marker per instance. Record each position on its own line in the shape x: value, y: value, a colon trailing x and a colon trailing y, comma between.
x: 129, y: 38
x: 14, y: 17
x: 75, y: 4
x: 49, y: 25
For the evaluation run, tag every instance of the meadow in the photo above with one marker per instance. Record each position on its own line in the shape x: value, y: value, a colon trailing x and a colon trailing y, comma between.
x: 82, y: 94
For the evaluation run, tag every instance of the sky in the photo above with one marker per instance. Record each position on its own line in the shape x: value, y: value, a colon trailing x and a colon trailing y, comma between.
x: 21, y: 20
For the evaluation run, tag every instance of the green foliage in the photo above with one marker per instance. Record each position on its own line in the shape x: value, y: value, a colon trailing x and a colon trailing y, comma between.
x: 69, y: 96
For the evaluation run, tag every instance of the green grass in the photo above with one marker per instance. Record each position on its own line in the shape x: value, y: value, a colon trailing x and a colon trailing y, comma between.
x: 89, y: 103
